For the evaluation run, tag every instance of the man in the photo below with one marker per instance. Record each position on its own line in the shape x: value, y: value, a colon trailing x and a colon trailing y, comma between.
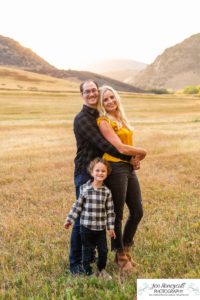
x: 90, y: 144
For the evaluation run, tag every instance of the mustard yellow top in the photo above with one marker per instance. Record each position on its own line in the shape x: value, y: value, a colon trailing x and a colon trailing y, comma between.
x: 123, y: 133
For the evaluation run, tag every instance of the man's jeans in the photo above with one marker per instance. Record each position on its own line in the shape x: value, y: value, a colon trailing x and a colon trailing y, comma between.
x: 75, y: 256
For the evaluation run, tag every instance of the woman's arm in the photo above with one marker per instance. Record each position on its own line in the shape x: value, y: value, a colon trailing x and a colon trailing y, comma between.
x: 110, y: 135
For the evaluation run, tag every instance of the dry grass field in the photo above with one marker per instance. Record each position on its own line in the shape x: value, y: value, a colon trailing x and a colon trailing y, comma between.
x: 36, y: 192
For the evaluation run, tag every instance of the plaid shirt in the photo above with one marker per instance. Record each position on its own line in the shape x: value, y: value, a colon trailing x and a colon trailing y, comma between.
x: 95, y: 207
x: 90, y: 142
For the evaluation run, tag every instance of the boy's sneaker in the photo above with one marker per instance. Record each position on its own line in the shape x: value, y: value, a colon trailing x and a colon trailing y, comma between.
x: 77, y: 270
x: 104, y: 275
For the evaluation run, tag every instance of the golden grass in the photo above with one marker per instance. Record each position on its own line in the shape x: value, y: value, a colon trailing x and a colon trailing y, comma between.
x: 36, y: 188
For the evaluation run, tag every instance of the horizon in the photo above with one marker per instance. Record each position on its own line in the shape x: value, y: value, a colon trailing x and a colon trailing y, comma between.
x: 56, y: 30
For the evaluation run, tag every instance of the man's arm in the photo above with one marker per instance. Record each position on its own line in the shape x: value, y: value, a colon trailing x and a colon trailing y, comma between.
x: 90, y: 131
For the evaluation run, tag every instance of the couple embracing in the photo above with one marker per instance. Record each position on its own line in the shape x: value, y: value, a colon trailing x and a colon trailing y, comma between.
x: 105, y: 180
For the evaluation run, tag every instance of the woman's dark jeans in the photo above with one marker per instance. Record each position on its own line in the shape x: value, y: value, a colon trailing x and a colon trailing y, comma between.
x: 92, y: 239
x: 75, y: 256
x: 125, y: 188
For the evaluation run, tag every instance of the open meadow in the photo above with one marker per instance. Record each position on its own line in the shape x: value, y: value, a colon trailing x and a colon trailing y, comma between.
x: 37, y: 148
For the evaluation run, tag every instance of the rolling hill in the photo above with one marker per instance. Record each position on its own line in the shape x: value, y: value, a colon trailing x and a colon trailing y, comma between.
x: 176, y: 68
x: 20, y: 80
x: 13, y: 55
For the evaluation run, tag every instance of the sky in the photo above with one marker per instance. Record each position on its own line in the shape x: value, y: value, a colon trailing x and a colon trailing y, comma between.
x: 75, y: 33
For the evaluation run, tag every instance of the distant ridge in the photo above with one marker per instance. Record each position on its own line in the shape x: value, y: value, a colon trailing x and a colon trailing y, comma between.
x: 176, y: 68
x: 111, y: 65
x: 123, y: 70
x: 12, y: 54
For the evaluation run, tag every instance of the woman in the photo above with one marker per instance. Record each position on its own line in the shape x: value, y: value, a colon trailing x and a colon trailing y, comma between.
x: 123, y: 181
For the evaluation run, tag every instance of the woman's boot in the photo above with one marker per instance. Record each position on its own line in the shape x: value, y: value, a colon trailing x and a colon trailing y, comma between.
x: 122, y: 261
x: 127, y: 251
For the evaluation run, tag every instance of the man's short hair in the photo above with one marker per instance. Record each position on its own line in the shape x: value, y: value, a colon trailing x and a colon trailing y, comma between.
x: 82, y: 84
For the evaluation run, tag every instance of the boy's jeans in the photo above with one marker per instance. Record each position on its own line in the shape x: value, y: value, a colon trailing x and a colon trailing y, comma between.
x: 92, y: 239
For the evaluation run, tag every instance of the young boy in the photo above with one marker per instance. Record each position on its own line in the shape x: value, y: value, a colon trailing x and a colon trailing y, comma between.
x: 96, y: 210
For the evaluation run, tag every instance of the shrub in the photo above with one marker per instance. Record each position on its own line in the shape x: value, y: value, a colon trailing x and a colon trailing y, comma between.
x: 159, y: 91
x: 191, y: 90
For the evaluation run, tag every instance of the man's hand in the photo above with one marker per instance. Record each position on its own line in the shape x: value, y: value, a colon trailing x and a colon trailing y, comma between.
x: 67, y: 224
x: 111, y: 233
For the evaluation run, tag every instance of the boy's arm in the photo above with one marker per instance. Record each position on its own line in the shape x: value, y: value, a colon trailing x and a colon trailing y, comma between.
x: 110, y: 212
x: 91, y: 132
x: 75, y: 210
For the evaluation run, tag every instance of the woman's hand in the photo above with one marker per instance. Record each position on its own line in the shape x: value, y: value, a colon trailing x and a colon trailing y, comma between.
x: 135, y: 161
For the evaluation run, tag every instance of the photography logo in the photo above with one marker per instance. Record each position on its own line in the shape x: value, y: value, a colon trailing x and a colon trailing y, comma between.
x: 155, y: 289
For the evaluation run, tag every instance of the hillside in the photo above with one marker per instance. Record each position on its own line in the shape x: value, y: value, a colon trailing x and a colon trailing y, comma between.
x: 177, y: 67
x: 16, y: 79
x: 12, y: 54
x: 123, y: 70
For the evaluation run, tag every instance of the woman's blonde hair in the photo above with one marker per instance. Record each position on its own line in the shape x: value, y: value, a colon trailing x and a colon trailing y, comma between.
x: 120, y: 110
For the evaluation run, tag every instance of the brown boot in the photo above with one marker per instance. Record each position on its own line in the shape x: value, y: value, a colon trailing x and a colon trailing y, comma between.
x: 127, y: 251
x: 122, y: 261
